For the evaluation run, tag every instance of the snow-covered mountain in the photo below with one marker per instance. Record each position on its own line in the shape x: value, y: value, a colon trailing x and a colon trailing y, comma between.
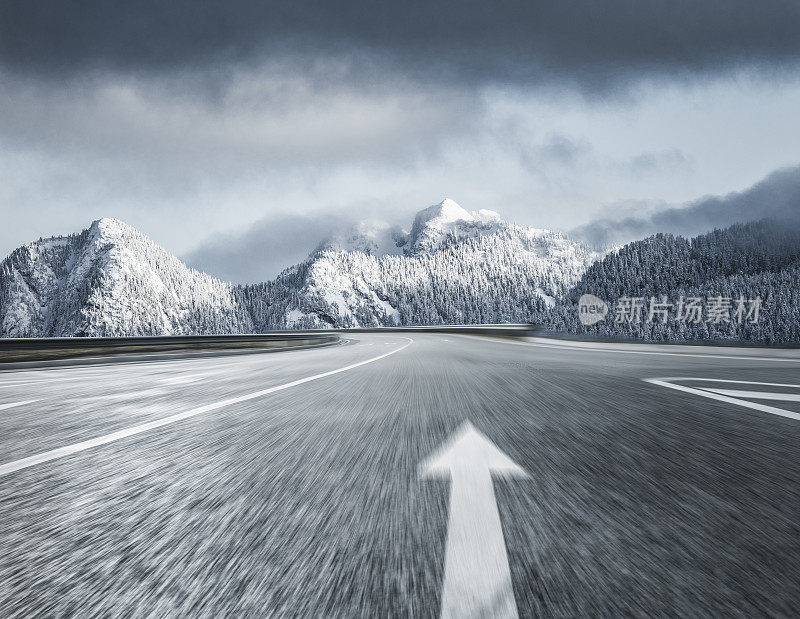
x: 110, y: 280
x: 453, y: 266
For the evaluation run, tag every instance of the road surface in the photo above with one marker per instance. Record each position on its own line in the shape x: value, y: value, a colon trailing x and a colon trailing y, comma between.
x: 317, y: 483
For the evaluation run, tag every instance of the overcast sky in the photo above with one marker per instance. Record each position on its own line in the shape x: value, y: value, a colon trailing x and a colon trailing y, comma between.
x: 264, y: 123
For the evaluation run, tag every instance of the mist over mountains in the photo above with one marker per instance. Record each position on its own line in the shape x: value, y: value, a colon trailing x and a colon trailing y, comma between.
x: 777, y: 196
x: 451, y: 266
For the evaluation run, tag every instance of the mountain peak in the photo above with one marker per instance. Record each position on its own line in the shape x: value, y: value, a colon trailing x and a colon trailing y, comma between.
x: 433, y: 224
x: 447, y: 211
x: 453, y: 211
x: 112, y: 226
x: 450, y: 211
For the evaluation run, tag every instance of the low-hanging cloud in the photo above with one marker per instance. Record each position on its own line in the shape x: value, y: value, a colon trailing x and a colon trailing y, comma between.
x: 270, y: 245
x: 777, y: 196
x: 265, y: 249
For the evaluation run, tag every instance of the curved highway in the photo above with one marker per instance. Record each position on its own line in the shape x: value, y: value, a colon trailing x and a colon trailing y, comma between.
x: 410, y: 474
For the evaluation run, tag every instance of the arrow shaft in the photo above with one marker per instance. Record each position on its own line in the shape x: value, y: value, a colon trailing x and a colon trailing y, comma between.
x: 477, y: 579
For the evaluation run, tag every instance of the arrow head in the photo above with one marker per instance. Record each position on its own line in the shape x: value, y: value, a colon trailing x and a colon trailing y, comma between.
x: 470, y: 450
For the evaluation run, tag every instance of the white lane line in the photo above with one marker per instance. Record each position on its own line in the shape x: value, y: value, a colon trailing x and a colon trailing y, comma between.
x: 48, y: 381
x: 640, y: 352
x: 13, y: 404
x: 61, y: 452
x: 758, y: 395
x: 667, y: 382
x: 183, y: 379
x: 28, y: 383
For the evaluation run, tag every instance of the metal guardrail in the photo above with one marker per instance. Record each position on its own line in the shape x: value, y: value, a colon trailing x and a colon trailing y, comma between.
x: 13, y: 350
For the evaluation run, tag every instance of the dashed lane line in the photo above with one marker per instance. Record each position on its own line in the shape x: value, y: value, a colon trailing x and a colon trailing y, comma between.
x: 15, y: 404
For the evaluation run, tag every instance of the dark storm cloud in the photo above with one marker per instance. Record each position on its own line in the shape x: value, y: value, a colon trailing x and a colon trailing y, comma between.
x: 594, y: 43
x: 776, y: 196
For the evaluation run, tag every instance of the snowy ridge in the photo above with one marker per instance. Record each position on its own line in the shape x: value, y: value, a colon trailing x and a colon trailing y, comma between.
x: 110, y: 280
x: 455, y: 267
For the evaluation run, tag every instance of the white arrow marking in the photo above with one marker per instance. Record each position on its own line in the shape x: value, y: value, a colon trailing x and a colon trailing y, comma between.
x: 477, y: 580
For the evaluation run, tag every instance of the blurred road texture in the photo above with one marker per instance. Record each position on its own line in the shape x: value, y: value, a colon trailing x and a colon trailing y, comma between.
x: 266, y: 494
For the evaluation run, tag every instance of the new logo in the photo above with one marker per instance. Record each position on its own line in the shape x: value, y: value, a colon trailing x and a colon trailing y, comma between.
x: 591, y: 309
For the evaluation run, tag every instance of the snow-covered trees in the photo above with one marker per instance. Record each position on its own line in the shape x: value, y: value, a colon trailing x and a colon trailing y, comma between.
x: 758, y: 260
x: 454, y: 267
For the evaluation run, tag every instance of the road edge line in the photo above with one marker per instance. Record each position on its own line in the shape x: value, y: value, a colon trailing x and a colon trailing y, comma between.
x: 723, y: 398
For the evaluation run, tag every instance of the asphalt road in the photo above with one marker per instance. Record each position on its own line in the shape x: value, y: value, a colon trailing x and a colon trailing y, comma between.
x: 262, y: 499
